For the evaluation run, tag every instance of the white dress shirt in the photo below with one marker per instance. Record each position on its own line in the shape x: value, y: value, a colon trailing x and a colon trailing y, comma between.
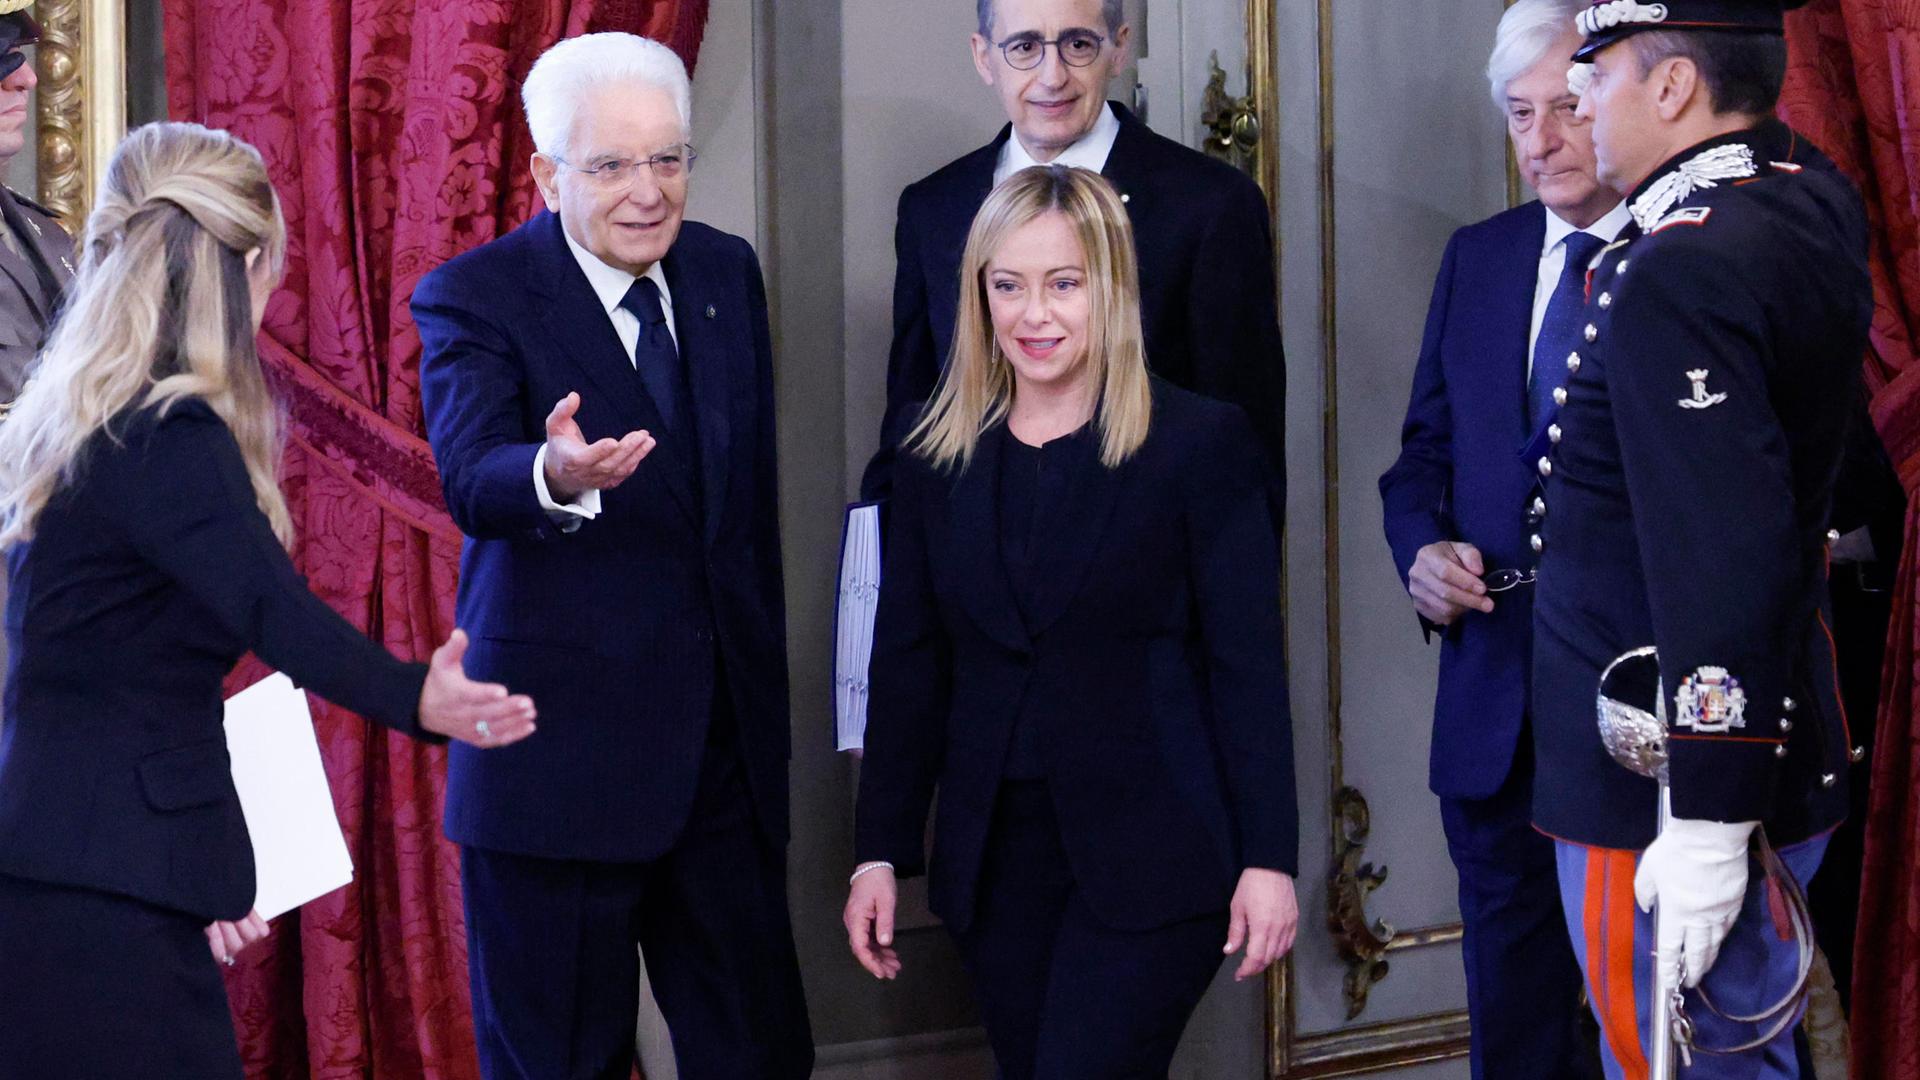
x: 1553, y: 259
x: 610, y: 285
x: 1089, y: 151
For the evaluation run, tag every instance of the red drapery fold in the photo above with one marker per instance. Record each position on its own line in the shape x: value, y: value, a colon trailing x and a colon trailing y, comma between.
x: 1852, y: 85
x: 393, y: 132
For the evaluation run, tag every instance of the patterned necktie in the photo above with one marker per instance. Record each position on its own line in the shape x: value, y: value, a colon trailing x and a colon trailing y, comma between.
x: 1559, y: 329
x: 656, y: 358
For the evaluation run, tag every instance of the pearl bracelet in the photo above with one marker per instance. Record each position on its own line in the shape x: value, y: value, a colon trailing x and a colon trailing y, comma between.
x: 868, y: 867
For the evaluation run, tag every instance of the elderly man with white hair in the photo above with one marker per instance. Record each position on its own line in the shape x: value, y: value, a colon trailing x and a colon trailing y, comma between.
x: 1461, y: 507
x: 598, y: 388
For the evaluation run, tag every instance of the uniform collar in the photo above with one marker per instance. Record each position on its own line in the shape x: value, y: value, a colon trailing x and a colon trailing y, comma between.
x: 1608, y: 228
x: 1735, y: 155
x: 1089, y: 152
x: 610, y: 283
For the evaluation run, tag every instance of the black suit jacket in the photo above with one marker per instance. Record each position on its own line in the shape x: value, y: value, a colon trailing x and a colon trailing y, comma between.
x: 626, y: 629
x: 145, y: 581
x: 1150, y: 665
x: 1207, y: 302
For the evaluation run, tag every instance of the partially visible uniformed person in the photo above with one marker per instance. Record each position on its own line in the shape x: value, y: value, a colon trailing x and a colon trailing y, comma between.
x: 36, y: 255
x: 1686, y: 506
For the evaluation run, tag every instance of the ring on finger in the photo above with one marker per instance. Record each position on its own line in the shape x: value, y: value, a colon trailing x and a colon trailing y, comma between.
x: 484, y: 729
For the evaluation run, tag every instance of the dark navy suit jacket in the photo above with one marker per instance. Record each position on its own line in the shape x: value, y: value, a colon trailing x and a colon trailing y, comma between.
x: 1150, y: 665
x: 1460, y: 476
x: 628, y: 629
x: 146, y: 580
x: 1207, y: 300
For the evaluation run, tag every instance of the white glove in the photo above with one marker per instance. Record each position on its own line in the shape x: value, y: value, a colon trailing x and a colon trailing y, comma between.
x: 1697, y: 870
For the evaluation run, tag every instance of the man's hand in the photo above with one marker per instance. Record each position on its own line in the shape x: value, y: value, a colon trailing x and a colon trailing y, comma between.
x: 1445, y: 582
x: 1697, y: 871
x: 1263, y: 917
x: 226, y: 939
x: 478, y: 714
x: 573, y: 466
x: 869, y: 920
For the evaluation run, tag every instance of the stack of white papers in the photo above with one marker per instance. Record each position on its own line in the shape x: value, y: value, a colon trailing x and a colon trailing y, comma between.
x: 299, y: 853
x: 853, y: 623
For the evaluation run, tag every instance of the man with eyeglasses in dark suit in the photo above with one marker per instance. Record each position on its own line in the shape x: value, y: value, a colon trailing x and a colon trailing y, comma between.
x: 1207, y: 298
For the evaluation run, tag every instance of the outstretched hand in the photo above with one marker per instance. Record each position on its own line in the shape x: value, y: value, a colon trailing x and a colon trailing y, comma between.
x: 478, y: 714
x: 574, y: 466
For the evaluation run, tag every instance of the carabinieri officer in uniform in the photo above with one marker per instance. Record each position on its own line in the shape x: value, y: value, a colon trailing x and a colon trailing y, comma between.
x: 1687, y: 485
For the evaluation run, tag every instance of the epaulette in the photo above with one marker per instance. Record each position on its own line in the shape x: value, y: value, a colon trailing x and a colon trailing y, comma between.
x: 33, y: 203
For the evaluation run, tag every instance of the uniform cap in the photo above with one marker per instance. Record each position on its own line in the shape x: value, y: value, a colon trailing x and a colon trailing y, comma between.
x: 1608, y: 21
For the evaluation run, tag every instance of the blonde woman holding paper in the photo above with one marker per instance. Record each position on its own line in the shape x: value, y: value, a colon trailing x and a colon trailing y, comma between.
x: 145, y: 536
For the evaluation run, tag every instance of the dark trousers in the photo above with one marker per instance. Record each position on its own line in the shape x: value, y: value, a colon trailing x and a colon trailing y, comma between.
x: 556, y: 977
x: 100, y: 987
x: 1062, y: 996
x: 1523, y: 981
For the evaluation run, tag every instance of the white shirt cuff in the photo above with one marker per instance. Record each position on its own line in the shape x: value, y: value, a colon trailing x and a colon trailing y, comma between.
x: 586, y: 507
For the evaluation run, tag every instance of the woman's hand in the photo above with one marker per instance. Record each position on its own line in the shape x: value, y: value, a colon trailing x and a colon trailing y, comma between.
x: 226, y: 939
x: 869, y: 919
x: 1264, y: 916
x: 478, y: 714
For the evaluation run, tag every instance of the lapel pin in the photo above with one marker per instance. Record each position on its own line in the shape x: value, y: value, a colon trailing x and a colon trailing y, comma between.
x: 1125, y: 198
x: 711, y: 311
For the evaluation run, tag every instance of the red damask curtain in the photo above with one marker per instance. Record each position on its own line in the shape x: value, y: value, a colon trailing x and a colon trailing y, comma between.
x: 394, y: 134
x: 1852, y: 87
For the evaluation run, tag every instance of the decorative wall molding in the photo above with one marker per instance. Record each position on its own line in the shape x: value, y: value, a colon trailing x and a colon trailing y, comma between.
x: 81, y: 62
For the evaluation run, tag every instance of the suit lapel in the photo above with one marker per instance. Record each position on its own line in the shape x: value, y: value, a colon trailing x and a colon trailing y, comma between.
x: 714, y: 370
x: 580, y: 330
x: 1128, y: 168
x: 972, y: 532
x: 1514, y: 277
x: 1060, y: 565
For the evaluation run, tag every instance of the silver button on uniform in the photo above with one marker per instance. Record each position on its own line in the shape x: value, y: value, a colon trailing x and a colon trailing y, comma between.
x: 1592, y: 333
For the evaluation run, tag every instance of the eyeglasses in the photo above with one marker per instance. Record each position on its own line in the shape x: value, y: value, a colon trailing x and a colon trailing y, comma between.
x: 1502, y: 580
x: 1077, y: 48
x: 668, y: 166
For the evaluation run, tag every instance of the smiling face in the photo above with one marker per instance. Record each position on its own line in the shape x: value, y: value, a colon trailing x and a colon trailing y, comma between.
x: 14, y: 91
x: 1552, y: 144
x: 1053, y: 104
x: 1039, y: 300
x: 631, y: 225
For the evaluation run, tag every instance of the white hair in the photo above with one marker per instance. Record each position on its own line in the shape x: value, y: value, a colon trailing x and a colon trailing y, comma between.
x: 1526, y: 32
x: 566, y: 73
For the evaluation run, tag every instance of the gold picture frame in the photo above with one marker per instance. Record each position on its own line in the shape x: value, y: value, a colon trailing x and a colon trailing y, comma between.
x: 82, y: 100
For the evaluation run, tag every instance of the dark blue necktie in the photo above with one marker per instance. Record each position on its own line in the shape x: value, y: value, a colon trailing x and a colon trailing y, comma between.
x: 655, y: 357
x: 1559, y: 329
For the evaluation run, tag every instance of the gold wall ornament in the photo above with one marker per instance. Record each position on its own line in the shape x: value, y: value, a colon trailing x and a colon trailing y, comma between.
x: 1233, y: 123
x: 1349, y: 882
x: 81, y: 62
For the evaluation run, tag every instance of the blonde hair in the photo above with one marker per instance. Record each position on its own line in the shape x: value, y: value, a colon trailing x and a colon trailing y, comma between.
x: 977, y: 388
x: 159, y: 310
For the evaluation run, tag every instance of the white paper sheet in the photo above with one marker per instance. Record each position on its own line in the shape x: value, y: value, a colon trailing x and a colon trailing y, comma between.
x: 299, y: 853
x: 853, y: 624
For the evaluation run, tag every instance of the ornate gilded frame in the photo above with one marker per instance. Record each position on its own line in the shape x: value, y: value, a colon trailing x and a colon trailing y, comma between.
x: 1347, y: 1051
x: 82, y: 64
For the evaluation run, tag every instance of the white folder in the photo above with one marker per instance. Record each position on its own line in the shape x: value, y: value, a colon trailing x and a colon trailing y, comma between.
x: 299, y: 853
x: 853, y: 623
